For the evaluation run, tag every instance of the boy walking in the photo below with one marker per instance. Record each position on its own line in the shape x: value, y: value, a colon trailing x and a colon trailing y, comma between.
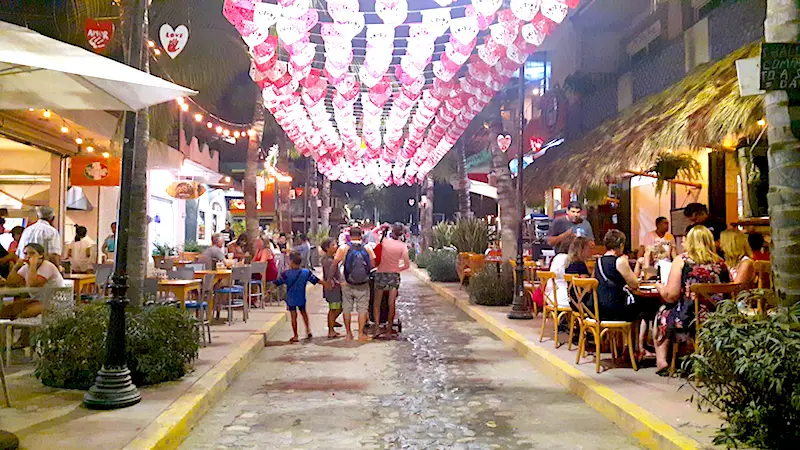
x: 295, y: 280
x: 358, y: 261
x: 333, y: 295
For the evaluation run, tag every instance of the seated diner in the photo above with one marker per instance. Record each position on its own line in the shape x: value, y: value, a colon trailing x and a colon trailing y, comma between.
x: 33, y: 271
x: 558, y: 266
x: 698, y: 264
x: 615, y: 278
x: 738, y: 257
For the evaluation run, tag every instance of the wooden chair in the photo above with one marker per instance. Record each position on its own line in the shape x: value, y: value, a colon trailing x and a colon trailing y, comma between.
x: 704, y: 292
x: 551, y: 307
x: 476, y: 263
x: 574, y: 300
x: 763, y: 271
x: 257, y: 291
x: 590, y: 264
x: 530, y: 284
x: 462, y: 267
x: 598, y: 327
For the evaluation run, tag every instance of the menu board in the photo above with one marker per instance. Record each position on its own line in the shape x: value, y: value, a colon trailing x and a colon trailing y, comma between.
x: 780, y: 66
x: 678, y: 222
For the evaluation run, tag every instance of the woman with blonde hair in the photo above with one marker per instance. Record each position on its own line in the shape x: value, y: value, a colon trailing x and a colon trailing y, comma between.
x: 738, y: 257
x: 698, y: 264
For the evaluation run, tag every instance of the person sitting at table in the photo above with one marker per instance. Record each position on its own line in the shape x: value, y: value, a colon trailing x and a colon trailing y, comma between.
x: 33, y: 271
x: 215, y: 253
x: 657, y: 245
x: 265, y: 254
x: 80, y: 252
x: 613, y: 273
x: 756, y: 241
x: 16, y: 235
x: 738, y: 257
x: 239, y: 247
x: 558, y: 266
x: 698, y: 264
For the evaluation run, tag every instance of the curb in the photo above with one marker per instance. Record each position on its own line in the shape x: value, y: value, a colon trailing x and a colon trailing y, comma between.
x: 649, y: 430
x: 175, y: 423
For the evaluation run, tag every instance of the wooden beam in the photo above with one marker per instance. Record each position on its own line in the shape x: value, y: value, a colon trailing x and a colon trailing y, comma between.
x: 681, y: 182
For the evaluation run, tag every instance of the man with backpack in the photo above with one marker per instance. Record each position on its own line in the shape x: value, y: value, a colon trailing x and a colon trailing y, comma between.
x: 357, y: 262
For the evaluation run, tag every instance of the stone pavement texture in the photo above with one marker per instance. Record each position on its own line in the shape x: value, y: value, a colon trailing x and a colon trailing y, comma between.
x: 446, y: 382
x: 48, y: 418
x: 668, y: 399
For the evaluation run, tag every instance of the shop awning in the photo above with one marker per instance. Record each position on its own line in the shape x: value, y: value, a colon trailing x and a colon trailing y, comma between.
x: 39, y: 72
x: 699, y: 111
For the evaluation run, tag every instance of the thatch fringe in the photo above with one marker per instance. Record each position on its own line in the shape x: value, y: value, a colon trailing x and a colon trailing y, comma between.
x: 699, y: 111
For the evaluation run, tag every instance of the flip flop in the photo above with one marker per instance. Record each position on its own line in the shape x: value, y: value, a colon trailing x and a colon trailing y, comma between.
x: 663, y: 372
x: 294, y: 340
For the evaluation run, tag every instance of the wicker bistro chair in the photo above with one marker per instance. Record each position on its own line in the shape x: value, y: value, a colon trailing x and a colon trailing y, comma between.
x: 551, y: 308
x: 200, y: 307
x: 257, y: 289
x: 462, y: 268
x: 599, y: 328
x: 703, y: 293
x: 56, y: 301
x: 237, y: 293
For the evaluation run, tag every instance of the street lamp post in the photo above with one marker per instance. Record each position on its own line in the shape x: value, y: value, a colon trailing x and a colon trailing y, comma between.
x: 113, y: 387
x: 520, y: 309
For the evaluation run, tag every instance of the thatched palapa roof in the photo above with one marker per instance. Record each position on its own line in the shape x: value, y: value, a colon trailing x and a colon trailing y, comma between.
x: 699, y: 111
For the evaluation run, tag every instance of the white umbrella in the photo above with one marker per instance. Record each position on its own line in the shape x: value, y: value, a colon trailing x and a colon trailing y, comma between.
x: 39, y: 72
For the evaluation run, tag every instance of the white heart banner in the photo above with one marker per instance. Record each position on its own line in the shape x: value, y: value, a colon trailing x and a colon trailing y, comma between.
x: 266, y: 15
x: 173, y: 40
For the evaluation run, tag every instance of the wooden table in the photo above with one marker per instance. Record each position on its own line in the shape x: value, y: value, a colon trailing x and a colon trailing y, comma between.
x: 81, y: 281
x: 220, y: 276
x: 180, y: 288
x: 183, y: 263
x: 647, y: 293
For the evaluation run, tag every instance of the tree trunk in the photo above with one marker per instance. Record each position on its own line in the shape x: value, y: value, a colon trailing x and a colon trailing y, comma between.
x: 138, y: 242
x: 284, y: 207
x: 782, y: 25
x: 506, y: 195
x: 426, y: 218
x: 462, y: 183
x: 325, y: 218
x: 250, y: 184
x: 314, y: 209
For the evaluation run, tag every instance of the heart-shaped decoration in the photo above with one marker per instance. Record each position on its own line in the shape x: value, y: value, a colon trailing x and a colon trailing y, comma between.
x: 277, y: 71
x: 487, y: 7
x: 231, y: 12
x: 392, y: 12
x: 295, y: 9
x: 266, y: 50
x: 303, y: 56
x: 290, y: 30
x: 437, y: 20
x: 379, y: 34
x: 524, y: 9
x: 554, y: 10
x: 334, y: 74
x: 532, y: 34
x: 331, y: 33
x: 256, y: 74
x: 504, y: 142
x: 464, y: 29
x: 410, y: 69
x: 516, y: 54
x: 266, y: 15
x: 255, y: 36
x: 441, y: 73
x: 368, y: 77
x: 503, y: 33
x: 351, y: 25
x: 490, y: 52
x: 455, y: 56
x: 174, y: 40
x: 339, y: 9
x: 98, y: 33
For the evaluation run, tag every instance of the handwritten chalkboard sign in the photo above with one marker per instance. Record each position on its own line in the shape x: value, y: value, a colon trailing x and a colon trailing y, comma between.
x: 780, y: 66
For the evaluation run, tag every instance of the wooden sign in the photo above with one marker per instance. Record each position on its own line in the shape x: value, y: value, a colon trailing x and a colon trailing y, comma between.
x: 780, y: 67
x: 94, y: 171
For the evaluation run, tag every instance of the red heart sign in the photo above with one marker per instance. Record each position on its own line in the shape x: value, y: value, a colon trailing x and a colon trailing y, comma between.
x: 504, y: 142
x: 98, y: 33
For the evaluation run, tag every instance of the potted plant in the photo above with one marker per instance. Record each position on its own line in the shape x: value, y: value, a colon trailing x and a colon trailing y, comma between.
x: 668, y: 165
x: 162, y: 251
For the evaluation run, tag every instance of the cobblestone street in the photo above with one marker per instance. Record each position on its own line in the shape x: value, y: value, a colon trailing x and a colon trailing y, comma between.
x: 444, y: 383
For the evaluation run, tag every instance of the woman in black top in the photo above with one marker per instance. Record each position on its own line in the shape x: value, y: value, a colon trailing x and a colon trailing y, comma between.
x: 613, y: 273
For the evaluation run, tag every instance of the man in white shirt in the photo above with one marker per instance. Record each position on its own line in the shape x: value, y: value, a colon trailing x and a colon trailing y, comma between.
x: 43, y: 233
x: 658, y: 245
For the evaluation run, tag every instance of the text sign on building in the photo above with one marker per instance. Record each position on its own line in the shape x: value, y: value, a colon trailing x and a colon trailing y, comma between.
x: 780, y: 67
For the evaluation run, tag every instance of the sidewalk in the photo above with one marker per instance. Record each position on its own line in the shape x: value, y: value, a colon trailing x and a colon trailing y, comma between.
x: 48, y: 418
x: 653, y: 409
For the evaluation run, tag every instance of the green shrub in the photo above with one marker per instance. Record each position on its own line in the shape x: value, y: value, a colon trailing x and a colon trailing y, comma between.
x: 747, y: 369
x: 164, y: 249
x: 442, y: 235
x: 485, y: 288
x: 424, y: 258
x: 193, y: 247
x: 412, y: 252
x: 471, y: 235
x: 161, y: 342
x: 442, y: 265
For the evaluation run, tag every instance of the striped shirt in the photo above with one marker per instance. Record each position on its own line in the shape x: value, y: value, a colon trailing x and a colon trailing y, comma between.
x: 41, y: 233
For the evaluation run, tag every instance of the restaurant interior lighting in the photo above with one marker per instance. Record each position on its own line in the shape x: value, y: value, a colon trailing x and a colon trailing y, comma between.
x: 218, y: 129
x: 227, y: 179
x: 106, y: 154
x: 78, y: 141
x: 185, y: 107
x: 198, y: 117
x: 31, y: 109
x: 236, y: 134
x: 46, y: 113
x: 226, y: 132
x: 209, y: 125
x: 89, y: 148
x: 761, y: 122
x: 64, y: 129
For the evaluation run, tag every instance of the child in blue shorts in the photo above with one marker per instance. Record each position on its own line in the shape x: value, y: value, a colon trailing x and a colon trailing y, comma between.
x: 295, y: 280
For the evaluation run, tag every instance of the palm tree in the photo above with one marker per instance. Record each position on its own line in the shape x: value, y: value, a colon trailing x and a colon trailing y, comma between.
x: 784, y: 164
x: 313, y: 209
x: 506, y: 194
x: 250, y: 183
x: 462, y: 181
x: 325, y: 194
x: 426, y: 217
x: 284, y: 213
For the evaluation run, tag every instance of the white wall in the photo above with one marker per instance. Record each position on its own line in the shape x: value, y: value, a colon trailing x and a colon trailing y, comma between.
x: 646, y: 206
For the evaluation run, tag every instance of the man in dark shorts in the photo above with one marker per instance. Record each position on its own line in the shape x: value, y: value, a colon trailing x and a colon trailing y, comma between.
x: 394, y: 259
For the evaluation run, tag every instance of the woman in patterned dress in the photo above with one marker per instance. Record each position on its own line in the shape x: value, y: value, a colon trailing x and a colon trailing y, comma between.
x: 698, y: 264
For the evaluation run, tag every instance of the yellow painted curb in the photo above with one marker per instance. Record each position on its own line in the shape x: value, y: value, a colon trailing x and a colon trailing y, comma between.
x: 651, y: 431
x: 173, y: 425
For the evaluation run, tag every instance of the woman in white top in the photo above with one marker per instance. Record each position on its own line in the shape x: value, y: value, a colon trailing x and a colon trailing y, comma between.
x: 559, y: 266
x: 738, y: 257
x: 80, y: 253
x: 32, y: 271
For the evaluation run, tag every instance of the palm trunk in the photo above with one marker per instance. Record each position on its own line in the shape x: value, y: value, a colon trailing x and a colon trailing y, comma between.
x: 284, y: 207
x: 250, y: 184
x: 325, y: 218
x: 506, y: 195
x: 462, y: 183
x: 314, y: 209
x: 784, y: 164
x: 426, y: 218
x: 137, y: 231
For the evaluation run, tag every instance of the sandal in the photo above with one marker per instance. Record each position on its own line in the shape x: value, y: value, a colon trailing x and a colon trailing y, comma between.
x: 663, y: 372
x: 294, y: 340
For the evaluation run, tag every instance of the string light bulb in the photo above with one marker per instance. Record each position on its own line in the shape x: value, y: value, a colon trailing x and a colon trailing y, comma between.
x: 78, y: 141
x: 156, y: 52
x: 89, y: 149
x: 209, y: 125
x: 226, y: 132
x: 251, y: 132
x: 185, y: 107
x: 198, y: 117
x: 151, y: 44
x: 106, y: 154
x: 46, y: 113
x: 227, y: 179
x: 31, y: 109
x: 761, y: 122
x: 218, y: 129
x: 64, y: 129
x: 236, y: 134
x: 180, y: 100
